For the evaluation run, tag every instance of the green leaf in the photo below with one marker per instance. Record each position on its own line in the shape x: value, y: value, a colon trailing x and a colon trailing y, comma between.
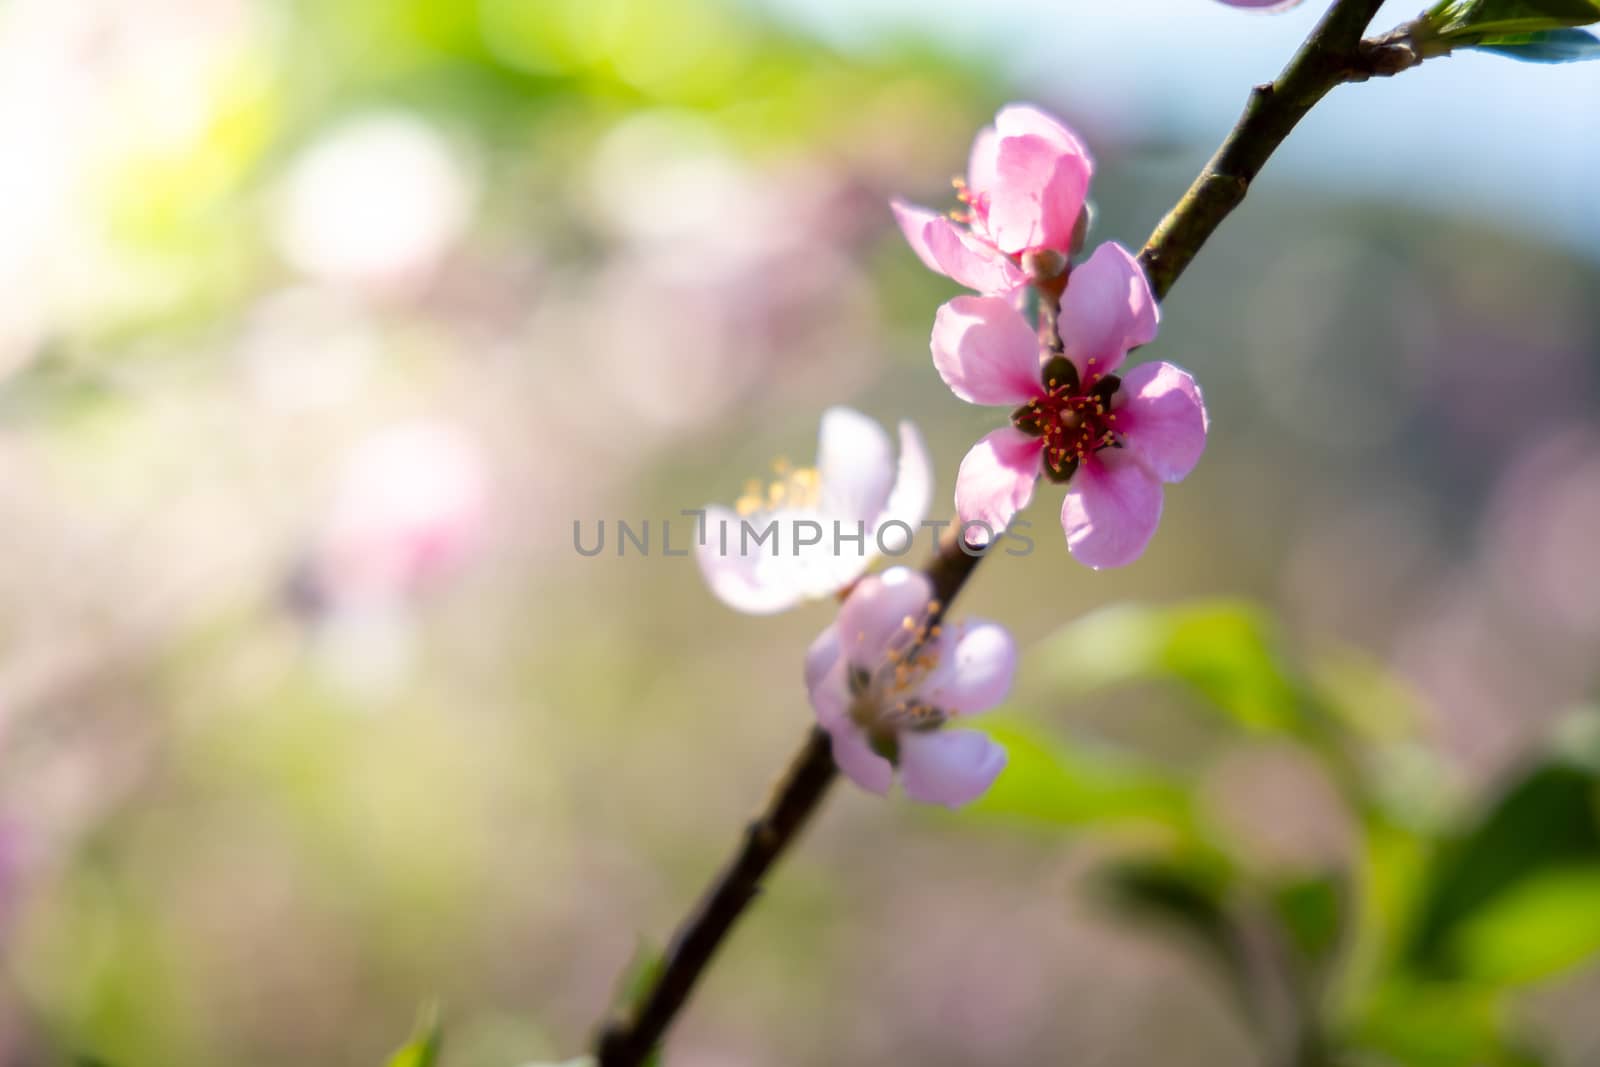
x: 1545, y: 822
x: 1546, y: 46
x: 1180, y: 895
x: 1050, y: 781
x: 1462, y: 23
x: 1438, y: 1024
x: 1225, y: 650
x: 640, y: 977
x: 1548, y: 924
x: 423, y: 1049
x: 1312, y: 911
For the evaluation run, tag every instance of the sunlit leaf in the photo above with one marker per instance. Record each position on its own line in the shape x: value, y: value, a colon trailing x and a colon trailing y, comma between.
x: 635, y: 985
x: 1312, y: 912
x: 1224, y: 650
x: 1548, y: 924
x: 1545, y: 46
x: 1471, y: 18
x: 423, y: 1048
x: 1438, y: 1024
x: 1183, y: 896
x: 1052, y: 781
x: 1363, y: 694
x: 1546, y: 822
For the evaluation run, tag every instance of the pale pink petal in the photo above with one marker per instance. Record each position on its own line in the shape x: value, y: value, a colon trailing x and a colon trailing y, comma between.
x: 755, y: 582
x: 871, y: 620
x: 1263, y: 5
x: 1107, y: 309
x: 949, y: 767
x: 955, y: 252
x: 855, y: 758
x: 977, y: 660
x: 821, y: 657
x: 996, y: 479
x: 855, y: 464
x: 1163, y: 419
x: 1025, y: 120
x: 912, y: 493
x: 1111, y: 510
x: 983, y: 161
x: 985, y: 351
x: 1036, y: 197
x: 830, y: 696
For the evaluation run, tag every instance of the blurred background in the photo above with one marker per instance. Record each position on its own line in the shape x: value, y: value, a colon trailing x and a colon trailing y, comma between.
x: 325, y: 320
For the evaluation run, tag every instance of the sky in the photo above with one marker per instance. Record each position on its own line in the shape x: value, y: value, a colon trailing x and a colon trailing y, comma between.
x: 1480, y: 132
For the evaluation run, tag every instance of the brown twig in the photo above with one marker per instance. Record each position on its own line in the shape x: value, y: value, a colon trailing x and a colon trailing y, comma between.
x: 629, y: 1041
x: 1334, y: 53
x: 1329, y: 56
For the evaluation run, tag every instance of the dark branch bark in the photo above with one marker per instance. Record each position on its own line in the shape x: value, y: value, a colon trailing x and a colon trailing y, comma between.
x: 1334, y: 53
x: 1329, y: 57
x: 629, y: 1041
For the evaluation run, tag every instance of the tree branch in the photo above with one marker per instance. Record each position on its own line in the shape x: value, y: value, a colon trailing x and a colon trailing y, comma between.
x: 626, y: 1042
x: 1334, y: 53
x: 1331, y: 55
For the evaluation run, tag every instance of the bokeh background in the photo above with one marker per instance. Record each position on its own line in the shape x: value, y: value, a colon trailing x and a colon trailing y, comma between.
x: 324, y: 321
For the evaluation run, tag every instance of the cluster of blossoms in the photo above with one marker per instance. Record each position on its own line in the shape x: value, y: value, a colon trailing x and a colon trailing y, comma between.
x: 889, y: 675
x: 1113, y: 440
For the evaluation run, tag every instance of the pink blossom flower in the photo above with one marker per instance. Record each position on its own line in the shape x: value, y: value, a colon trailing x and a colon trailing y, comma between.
x: 828, y: 522
x: 1027, y: 178
x: 883, y: 681
x: 1114, y: 439
x: 410, y: 509
x: 1263, y: 5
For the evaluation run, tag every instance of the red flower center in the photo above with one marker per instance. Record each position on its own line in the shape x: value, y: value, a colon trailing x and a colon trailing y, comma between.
x: 1075, y: 422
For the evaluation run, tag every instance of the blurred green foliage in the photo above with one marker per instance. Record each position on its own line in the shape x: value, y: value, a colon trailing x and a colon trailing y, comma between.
x: 423, y: 1048
x: 1416, y: 966
x: 297, y: 867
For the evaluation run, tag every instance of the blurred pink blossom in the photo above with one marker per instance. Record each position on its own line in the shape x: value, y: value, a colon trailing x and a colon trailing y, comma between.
x: 856, y: 488
x: 1540, y: 529
x: 1263, y: 5
x: 883, y: 681
x: 11, y: 870
x: 1116, y: 440
x: 410, y: 508
x: 1027, y: 179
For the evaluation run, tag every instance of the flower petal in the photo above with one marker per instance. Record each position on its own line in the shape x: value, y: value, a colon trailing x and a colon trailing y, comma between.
x: 1263, y: 5
x: 985, y: 351
x: 956, y: 252
x: 871, y: 620
x: 752, y: 582
x: 1163, y: 419
x: 977, y: 660
x: 983, y: 162
x: 1107, y: 309
x: 949, y: 767
x: 1111, y: 510
x: 856, y: 759
x: 821, y: 657
x: 1026, y: 120
x: 996, y: 479
x: 855, y: 463
x: 1037, y: 195
x: 830, y: 696
x: 912, y: 493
